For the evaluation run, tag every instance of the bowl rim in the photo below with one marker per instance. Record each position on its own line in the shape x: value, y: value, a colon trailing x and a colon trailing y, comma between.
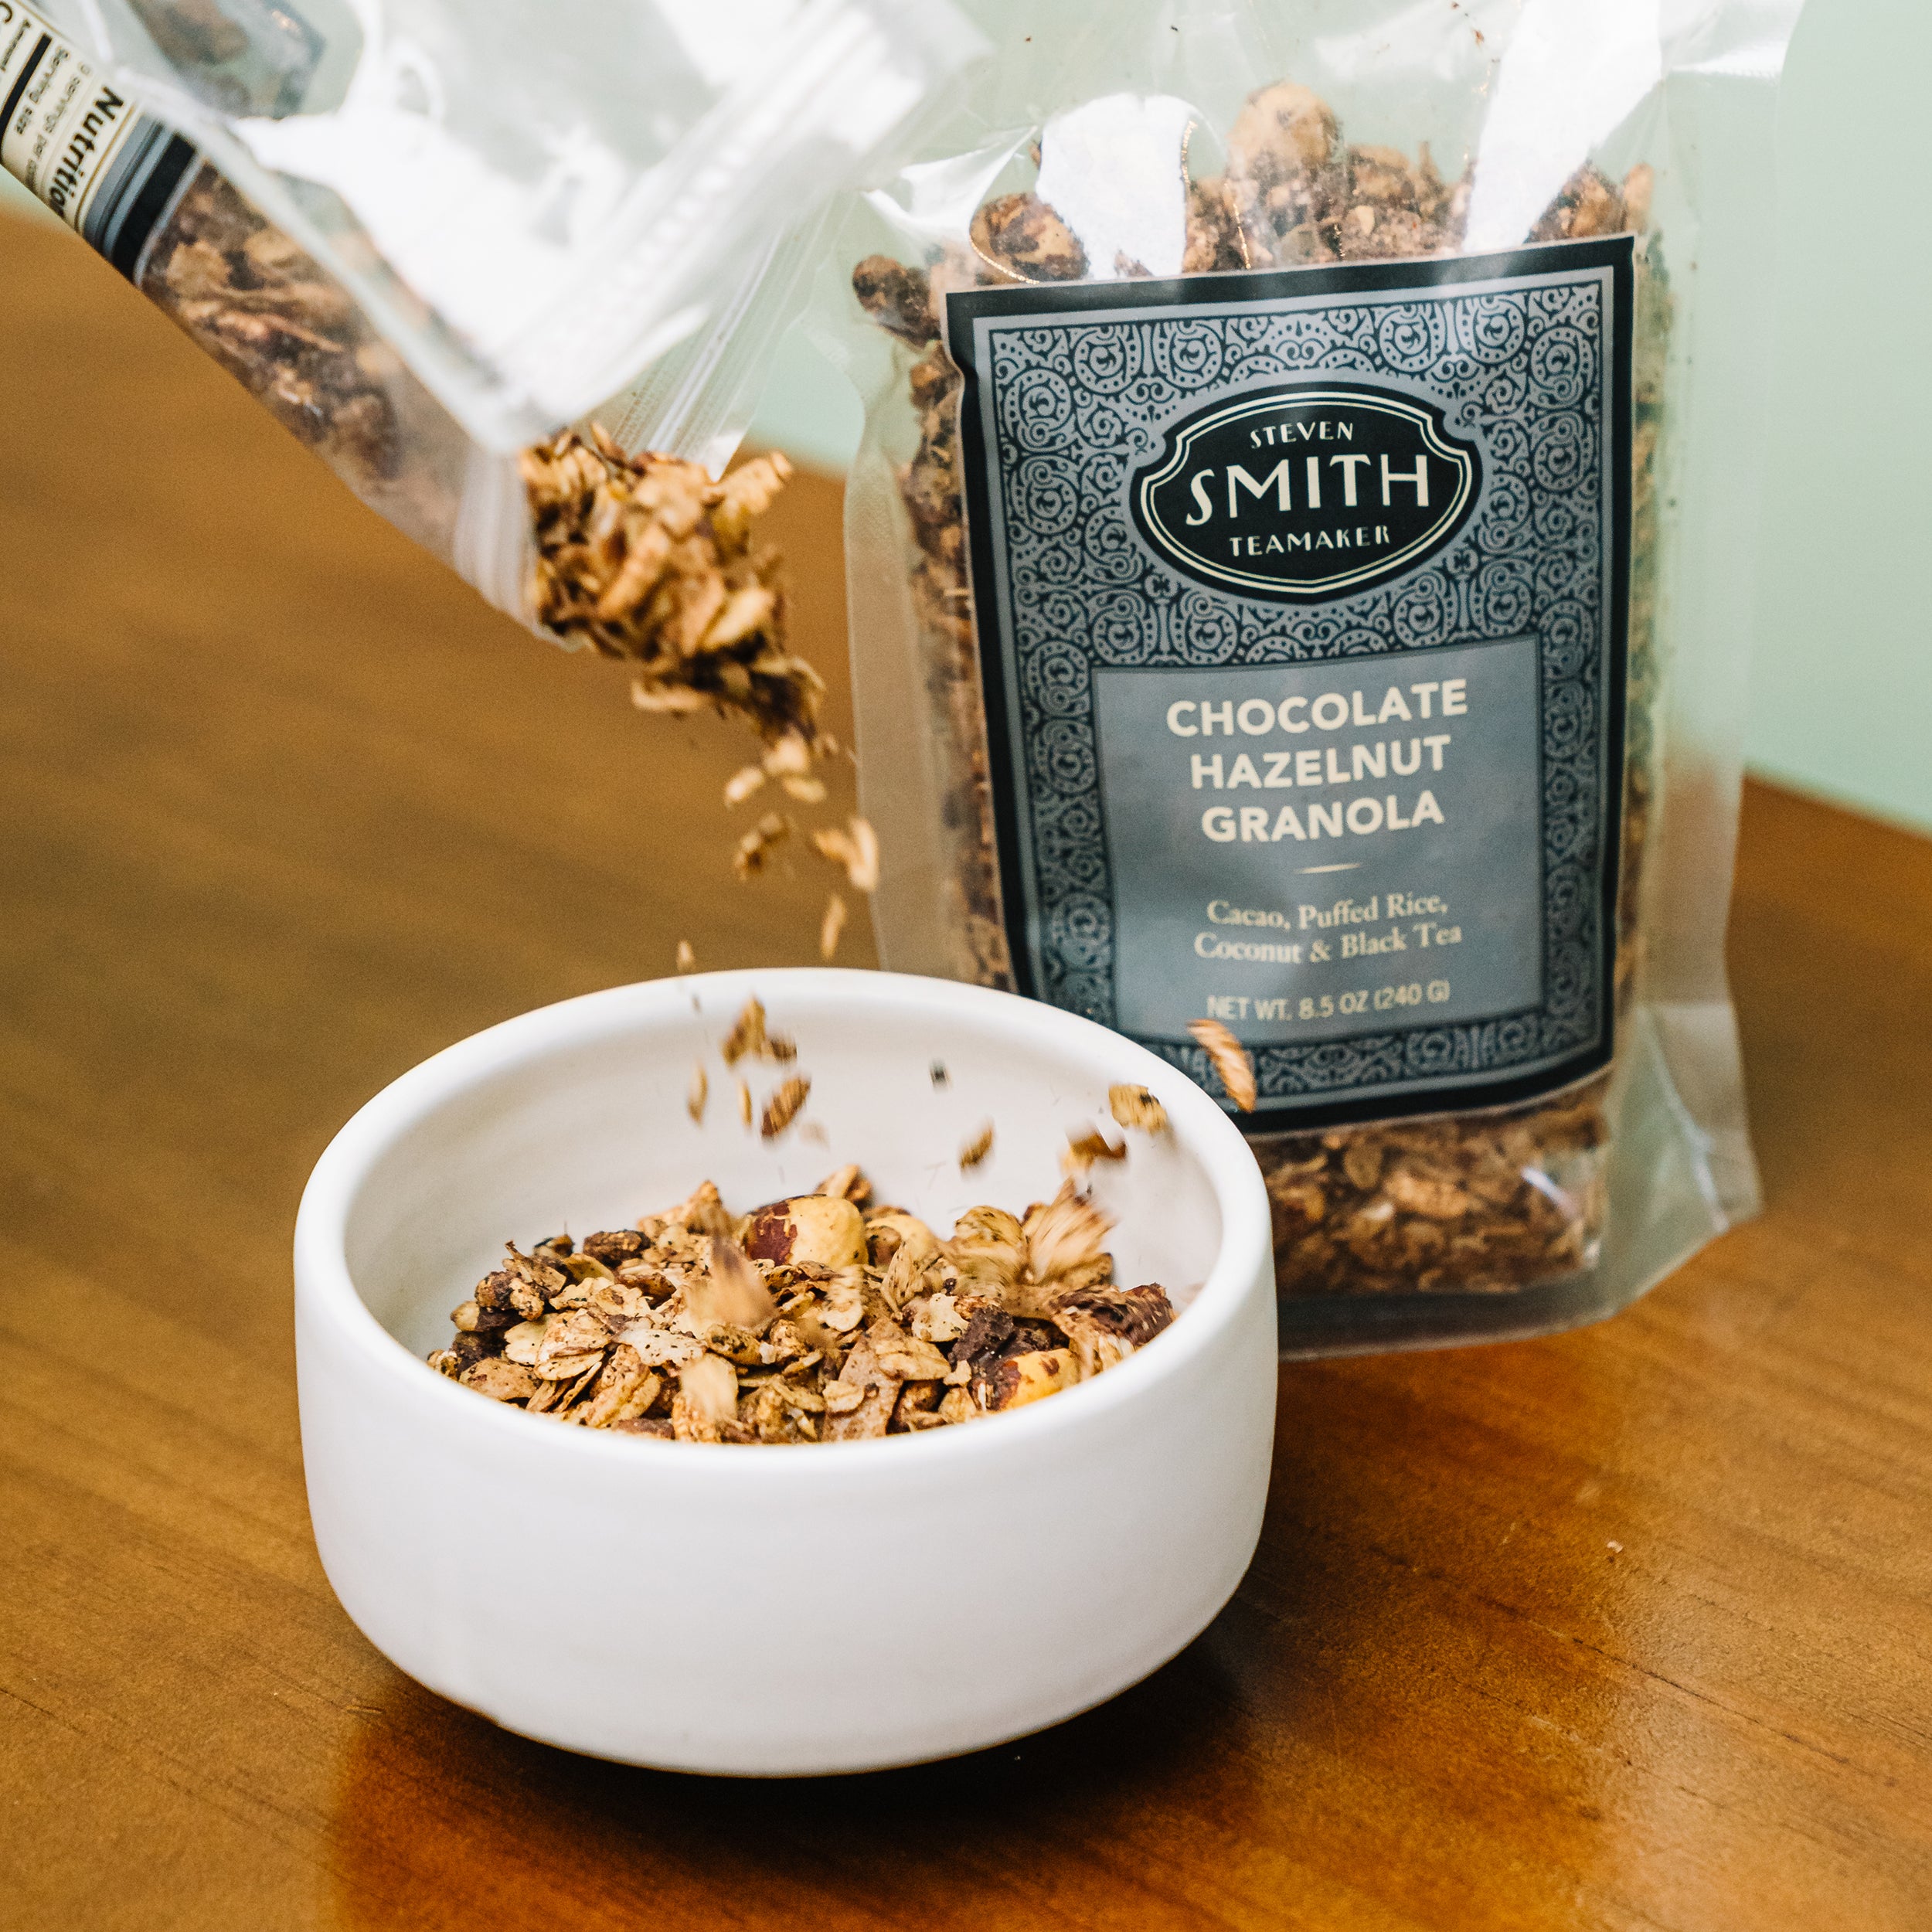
x: 326, y: 1291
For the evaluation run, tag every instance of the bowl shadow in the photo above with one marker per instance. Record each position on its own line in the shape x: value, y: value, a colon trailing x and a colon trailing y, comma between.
x: 441, y: 1818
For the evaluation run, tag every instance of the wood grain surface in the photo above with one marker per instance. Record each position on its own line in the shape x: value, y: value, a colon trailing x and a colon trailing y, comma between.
x: 1628, y: 1628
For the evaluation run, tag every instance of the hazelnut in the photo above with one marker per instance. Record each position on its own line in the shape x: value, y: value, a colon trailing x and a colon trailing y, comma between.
x: 818, y: 1229
x: 1021, y: 1378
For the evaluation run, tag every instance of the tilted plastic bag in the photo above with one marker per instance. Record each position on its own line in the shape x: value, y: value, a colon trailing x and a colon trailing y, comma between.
x: 425, y: 235
x: 1300, y: 559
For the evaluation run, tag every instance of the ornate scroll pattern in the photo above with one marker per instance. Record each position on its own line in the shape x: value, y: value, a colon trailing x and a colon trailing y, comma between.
x: 1077, y: 404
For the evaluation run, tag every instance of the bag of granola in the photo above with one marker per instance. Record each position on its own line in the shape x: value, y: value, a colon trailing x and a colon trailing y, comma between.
x: 425, y: 235
x: 1269, y: 636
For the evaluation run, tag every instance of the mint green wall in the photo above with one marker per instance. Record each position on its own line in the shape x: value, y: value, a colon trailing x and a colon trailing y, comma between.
x: 1842, y: 683
x: 1842, y: 686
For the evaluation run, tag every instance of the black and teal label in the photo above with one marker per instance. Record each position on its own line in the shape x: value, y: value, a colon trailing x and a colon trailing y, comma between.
x: 1302, y: 606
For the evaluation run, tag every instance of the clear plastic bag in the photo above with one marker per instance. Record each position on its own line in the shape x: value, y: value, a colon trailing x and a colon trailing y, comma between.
x: 1268, y: 635
x: 424, y: 236
x: 531, y: 204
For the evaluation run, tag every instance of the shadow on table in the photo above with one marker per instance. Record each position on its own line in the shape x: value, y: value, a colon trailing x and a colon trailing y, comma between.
x: 1411, y: 1712
x: 443, y: 1819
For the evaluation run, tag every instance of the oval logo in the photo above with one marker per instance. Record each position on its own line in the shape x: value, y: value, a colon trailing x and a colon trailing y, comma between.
x: 1305, y: 491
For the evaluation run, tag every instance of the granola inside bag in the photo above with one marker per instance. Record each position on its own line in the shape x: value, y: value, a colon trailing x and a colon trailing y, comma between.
x: 426, y: 238
x: 1267, y: 638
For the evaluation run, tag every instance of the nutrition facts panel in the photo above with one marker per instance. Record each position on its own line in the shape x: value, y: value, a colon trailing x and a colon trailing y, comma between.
x: 105, y: 168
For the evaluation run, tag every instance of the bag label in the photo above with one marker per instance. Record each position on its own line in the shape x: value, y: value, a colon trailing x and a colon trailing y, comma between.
x: 1301, y: 598
x: 1245, y: 495
x: 106, y: 168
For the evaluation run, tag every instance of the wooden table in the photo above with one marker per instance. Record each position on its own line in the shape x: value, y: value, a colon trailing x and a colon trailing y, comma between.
x: 1632, y: 1628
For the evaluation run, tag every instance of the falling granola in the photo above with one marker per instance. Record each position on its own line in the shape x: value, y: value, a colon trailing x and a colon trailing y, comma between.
x: 751, y: 1037
x: 648, y: 560
x: 1233, y: 1065
x: 832, y: 926
x: 855, y: 849
x: 1084, y: 1149
x: 1286, y: 646
x: 819, y: 1318
x: 782, y: 1108
x: 1136, y: 1107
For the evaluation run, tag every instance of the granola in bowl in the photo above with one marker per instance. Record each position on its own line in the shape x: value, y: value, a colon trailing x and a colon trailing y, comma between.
x: 823, y: 1317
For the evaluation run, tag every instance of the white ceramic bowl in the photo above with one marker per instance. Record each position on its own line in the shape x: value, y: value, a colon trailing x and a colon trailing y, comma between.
x: 765, y: 1611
